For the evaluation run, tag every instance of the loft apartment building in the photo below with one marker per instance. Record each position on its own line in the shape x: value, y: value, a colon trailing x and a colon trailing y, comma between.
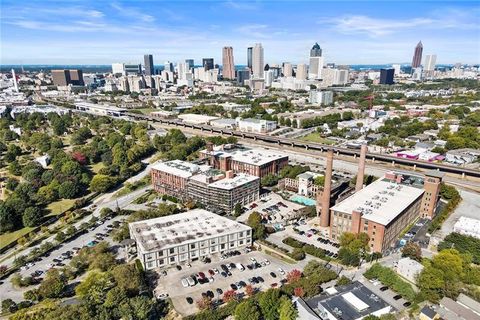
x: 253, y: 162
x: 180, y: 238
x: 386, y: 207
x: 218, y: 191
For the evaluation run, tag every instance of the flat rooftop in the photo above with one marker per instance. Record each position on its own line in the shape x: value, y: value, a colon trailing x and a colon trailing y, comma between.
x: 350, y: 302
x: 183, y: 228
x: 257, y: 157
x: 383, y: 200
x: 179, y: 168
x: 231, y: 183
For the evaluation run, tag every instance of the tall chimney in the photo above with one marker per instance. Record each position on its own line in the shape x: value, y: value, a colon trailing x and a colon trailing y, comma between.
x: 361, y: 168
x: 327, y: 188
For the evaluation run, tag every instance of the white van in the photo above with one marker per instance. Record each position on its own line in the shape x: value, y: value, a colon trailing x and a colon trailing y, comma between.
x: 240, y: 266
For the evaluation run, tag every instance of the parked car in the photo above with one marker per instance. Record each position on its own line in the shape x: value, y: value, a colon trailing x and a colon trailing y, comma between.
x: 178, y: 267
x: 281, y: 271
x: 397, y: 297
x: 384, y: 288
x: 201, y: 275
x: 185, y: 282
x: 273, y: 274
x: 233, y: 286
x: 189, y: 300
x: 219, y: 291
x: 407, y: 304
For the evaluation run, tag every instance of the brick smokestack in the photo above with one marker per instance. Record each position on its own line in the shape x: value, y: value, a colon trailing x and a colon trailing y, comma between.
x: 327, y: 188
x: 361, y: 168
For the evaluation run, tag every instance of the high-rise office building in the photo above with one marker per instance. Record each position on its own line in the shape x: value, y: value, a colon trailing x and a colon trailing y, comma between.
x: 249, y: 57
x: 190, y: 63
x: 287, y: 69
x: 316, y: 51
x: 228, y: 64
x: 208, y: 63
x: 316, y: 62
x: 417, y: 55
x: 118, y: 68
x: 243, y: 75
x: 302, y: 71
x: 168, y: 66
x: 429, y: 65
x: 430, y: 61
x: 148, y: 62
x: 132, y: 69
x: 61, y: 77
x: 257, y: 61
x: 182, y: 70
x: 66, y: 77
x: 386, y: 76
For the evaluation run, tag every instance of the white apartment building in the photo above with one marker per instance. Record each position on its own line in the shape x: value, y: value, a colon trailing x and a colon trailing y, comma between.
x: 316, y: 68
x: 167, y: 241
x: 321, y: 98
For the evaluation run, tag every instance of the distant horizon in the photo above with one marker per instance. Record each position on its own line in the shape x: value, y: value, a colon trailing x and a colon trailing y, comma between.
x: 367, y: 32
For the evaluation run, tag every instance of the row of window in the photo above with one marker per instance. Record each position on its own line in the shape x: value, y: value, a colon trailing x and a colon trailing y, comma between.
x: 151, y: 262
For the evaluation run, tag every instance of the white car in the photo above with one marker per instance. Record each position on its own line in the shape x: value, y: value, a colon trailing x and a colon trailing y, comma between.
x: 281, y: 271
x: 162, y: 296
x: 30, y: 264
x: 210, y: 279
x: 50, y: 265
x: 185, y: 283
x: 190, y: 281
x: 216, y: 271
x: 253, y: 259
x: 267, y: 262
x: 188, y: 265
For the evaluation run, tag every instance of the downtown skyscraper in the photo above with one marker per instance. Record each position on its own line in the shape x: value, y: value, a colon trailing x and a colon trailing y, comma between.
x: 258, y: 61
x: 148, y: 62
x: 249, y: 57
x: 316, y: 62
x: 228, y: 64
x: 417, y: 55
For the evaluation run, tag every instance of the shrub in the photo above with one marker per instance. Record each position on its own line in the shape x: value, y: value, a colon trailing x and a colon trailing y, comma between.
x: 389, y: 278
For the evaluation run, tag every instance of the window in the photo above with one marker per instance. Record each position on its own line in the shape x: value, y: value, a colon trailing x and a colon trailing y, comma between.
x: 160, y: 253
x: 172, y: 259
x: 222, y: 246
x: 192, y: 246
x: 232, y: 244
x: 172, y: 250
x: 240, y: 242
x: 149, y: 265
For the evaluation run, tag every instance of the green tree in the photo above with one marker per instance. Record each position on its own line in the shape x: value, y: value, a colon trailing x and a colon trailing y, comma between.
x: 237, y: 209
x: 32, y: 216
x: 255, y: 221
x: 247, y: 310
x: 95, y: 287
x: 101, y: 183
x: 287, y: 310
x: 53, y: 284
x: 269, y: 302
x: 412, y: 250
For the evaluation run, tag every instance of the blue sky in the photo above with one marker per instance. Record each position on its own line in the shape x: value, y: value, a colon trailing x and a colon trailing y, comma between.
x: 359, y: 32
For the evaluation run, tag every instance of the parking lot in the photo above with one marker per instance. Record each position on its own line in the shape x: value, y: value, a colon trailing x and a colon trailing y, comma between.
x: 273, y: 207
x: 172, y: 285
x: 57, y: 258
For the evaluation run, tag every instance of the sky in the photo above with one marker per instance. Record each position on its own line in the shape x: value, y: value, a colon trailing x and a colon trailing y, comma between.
x: 349, y: 32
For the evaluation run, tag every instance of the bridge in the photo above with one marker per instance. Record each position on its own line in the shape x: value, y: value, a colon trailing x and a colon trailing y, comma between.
x: 464, y: 172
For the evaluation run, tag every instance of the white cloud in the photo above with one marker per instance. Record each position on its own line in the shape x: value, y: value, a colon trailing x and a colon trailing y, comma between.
x: 375, y: 27
x: 240, y: 5
x: 259, y: 31
x: 132, y: 12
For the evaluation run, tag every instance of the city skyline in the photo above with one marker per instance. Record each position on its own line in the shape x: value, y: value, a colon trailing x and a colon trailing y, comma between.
x: 357, y: 33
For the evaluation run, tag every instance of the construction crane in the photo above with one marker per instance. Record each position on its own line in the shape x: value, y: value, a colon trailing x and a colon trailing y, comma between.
x: 370, y: 99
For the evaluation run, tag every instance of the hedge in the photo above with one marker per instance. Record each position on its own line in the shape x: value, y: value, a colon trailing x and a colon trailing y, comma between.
x: 389, y: 278
x: 445, y: 212
x: 307, y: 248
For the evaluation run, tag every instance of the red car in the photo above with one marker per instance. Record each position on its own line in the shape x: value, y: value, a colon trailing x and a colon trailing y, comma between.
x: 211, y: 272
x: 274, y: 285
x: 201, y: 275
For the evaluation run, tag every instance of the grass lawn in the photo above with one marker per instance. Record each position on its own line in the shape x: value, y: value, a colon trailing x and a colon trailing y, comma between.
x: 96, y: 167
x: 7, y: 238
x: 59, y: 206
x: 315, y: 137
